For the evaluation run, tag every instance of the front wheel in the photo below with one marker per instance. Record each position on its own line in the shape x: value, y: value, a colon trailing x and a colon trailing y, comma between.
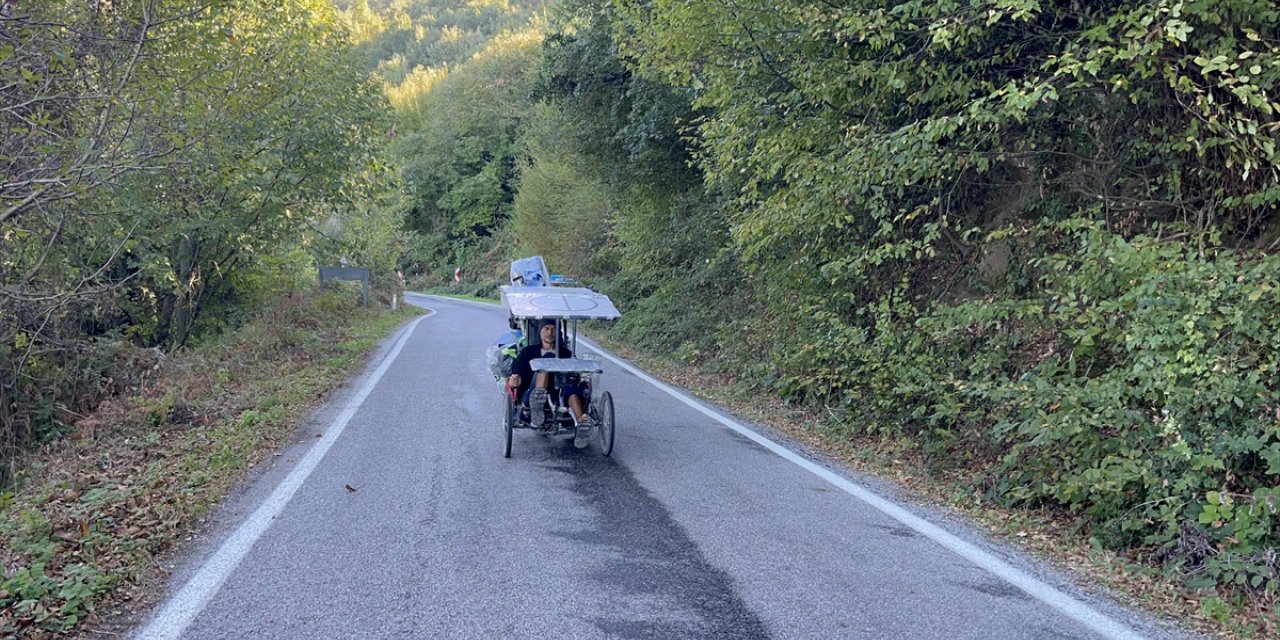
x: 508, y: 423
x: 604, y: 439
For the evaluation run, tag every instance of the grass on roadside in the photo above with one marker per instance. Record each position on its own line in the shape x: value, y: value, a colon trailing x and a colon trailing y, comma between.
x: 92, y: 513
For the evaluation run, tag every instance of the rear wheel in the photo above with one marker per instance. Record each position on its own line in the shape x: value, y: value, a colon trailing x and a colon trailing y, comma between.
x: 604, y: 419
x: 508, y: 424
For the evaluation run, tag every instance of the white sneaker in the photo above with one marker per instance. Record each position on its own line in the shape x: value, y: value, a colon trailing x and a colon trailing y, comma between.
x: 582, y: 436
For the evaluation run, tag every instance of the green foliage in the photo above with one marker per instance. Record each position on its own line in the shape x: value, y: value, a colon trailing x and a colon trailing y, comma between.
x: 401, y: 37
x: 166, y: 167
x: 457, y: 145
x: 1135, y: 388
x: 297, y: 128
x: 890, y: 128
x: 458, y: 139
x: 562, y: 210
x: 1197, y: 75
x: 1032, y: 237
x: 609, y: 189
x: 60, y: 586
x: 1156, y: 398
x: 705, y: 315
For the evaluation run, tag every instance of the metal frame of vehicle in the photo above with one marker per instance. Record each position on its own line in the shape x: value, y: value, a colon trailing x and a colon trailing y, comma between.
x: 531, y: 305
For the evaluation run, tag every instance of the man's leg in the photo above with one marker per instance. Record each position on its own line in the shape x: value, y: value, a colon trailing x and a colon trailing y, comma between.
x: 582, y: 435
x: 538, y: 400
x: 579, y: 412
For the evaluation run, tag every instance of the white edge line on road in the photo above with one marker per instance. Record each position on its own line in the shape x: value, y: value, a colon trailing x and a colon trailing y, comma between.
x: 183, y: 607
x: 1037, y: 589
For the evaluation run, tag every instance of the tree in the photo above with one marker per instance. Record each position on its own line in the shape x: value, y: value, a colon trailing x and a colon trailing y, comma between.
x: 278, y: 123
x: 69, y: 91
x: 611, y: 173
x: 152, y: 151
x: 458, y: 140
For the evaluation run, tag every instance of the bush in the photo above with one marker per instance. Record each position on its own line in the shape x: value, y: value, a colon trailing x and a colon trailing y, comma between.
x: 1132, y: 386
x: 1156, y: 414
x: 1136, y: 389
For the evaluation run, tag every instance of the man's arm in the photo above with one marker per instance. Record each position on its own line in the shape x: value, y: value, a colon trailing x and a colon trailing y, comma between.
x: 521, y: 372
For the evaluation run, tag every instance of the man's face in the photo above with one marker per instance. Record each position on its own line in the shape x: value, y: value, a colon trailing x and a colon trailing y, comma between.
x: 548, y: 333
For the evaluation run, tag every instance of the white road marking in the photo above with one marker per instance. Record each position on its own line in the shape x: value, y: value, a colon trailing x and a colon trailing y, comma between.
x: 1037, y: 589
x: 183, y: 607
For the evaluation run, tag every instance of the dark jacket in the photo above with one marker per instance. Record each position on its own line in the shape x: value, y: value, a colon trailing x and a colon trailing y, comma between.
x: 522, y: 368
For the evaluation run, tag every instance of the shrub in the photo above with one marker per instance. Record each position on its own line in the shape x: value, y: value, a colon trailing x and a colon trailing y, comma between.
x: 1137, y: 390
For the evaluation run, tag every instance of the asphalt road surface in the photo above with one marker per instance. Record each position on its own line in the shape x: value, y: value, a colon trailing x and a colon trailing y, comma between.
x: 396, y: 516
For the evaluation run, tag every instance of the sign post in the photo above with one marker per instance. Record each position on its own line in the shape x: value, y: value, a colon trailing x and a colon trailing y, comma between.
x: 347, y: 273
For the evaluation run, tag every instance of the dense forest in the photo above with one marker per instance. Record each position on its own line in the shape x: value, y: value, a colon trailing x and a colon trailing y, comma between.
x: 1037, y: 240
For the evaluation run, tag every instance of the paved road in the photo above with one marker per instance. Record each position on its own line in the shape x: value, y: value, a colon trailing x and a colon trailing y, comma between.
x: 691, y: 530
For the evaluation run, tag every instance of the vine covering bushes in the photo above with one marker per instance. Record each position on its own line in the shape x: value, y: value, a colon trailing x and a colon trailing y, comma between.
x: 1137, y: 389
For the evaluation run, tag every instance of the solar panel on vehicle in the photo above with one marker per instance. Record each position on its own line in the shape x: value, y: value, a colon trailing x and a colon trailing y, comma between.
x: 558, y: 302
